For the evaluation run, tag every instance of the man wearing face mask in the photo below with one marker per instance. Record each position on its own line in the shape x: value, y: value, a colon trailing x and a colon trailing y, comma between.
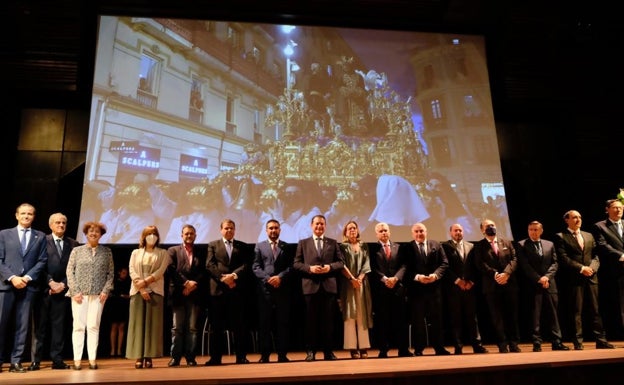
x: 496, y: 259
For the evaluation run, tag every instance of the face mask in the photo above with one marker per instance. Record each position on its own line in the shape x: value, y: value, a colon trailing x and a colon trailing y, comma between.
x: 490, y: 231
x: 151, y: 239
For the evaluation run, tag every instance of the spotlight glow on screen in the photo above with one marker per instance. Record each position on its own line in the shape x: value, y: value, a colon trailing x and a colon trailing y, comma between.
x: 195, y: 121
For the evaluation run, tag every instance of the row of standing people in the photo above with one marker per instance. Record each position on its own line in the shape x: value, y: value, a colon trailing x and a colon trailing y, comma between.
x: 410, y: 274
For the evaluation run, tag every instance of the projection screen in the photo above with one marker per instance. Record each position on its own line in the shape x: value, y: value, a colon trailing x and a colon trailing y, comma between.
x: 195, y: 121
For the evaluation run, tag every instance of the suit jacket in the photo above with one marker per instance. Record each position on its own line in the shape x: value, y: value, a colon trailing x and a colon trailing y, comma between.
x: 181, y: 270
x: 265, y: 265
x: 458, y: 267
x: 536, y: 266
x: 435, y: 262
x: 489, y: 263
x: 56, y: 269
x: 218, y: 263
x: 572, y: 257
x: 609, y: 247
x: 382, y: 267
x: 306, y: 256
x: 13, y: 262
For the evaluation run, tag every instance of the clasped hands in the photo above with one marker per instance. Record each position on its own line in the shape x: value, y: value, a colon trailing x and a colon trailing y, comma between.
x: 501, y: 278
x: 319, y: 269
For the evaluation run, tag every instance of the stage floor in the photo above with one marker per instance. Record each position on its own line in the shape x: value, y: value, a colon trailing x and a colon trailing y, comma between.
x: 371, y: 370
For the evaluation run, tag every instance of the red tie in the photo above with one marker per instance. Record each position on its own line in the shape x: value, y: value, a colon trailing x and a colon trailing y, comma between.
x: 387, y: 250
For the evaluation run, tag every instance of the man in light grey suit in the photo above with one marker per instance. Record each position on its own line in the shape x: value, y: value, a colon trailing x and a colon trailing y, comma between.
x: 23, y: 258
x: 319, y: 260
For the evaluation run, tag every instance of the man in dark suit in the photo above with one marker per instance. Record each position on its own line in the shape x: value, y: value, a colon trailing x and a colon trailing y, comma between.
x: 187, y: 292
x: 610, y: 249
x: 459, y: 286
x: 228, y: 264
x: 389, y: 297
x: 272, y: 266
x: 51, y: 307
x: 319, y: 260
x: 23, y: 259
x: 576, y: 252
x: 496, y: 259
x: 538, y: 260
x: 426, y: 264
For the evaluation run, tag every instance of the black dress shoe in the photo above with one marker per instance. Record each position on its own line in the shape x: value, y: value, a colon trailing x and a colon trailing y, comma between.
x: 503, y: 349
x: 264, y: 359
x: 458, y: 350
x: 93, y: 366
x: 604, y: 345
x: 242, y: 360
x: 383, y: 354
x: 60, y: 365
x: 310, y: 356
x: 537, y: 347
x: 282, y: 358
x: 173, y: 362
x: 514, y: 348
x: 34, y: 366
x: 479, y: 349
x: 212, y: 362
x: 578, y: 346
x: 405, y: 353
x: 16, y: 368
x: 559, y: 346
x: 191, y: 363
x: 329, y: 356
x: 442, y: 352
x: 417, y: 353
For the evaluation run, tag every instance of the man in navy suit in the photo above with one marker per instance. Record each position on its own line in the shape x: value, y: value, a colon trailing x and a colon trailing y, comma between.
x: 538, y: 259
x: 228, y: 263
x: 23, y: 258
x: 319, y: 260
x: 426, y: 264
x: 576, y: 252
x: 272, y: 265
x: 459, y: 284
x: 389, y: 298
x: 610, y: 249
x: 51, y: 307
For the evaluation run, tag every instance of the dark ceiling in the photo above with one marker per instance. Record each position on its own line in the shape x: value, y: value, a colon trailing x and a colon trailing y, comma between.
x: 541, y: 54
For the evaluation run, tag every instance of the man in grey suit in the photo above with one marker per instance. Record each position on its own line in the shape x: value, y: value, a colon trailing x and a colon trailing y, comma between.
x: 459, y: 287
x: 23, y: 258
x: 538, y: 260
x: 319, y: 260
x: 576, y: 252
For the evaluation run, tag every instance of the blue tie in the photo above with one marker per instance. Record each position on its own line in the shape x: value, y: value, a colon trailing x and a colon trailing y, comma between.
x: 24, y: 243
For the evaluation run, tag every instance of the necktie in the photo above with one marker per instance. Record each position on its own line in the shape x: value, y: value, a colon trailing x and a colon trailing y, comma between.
x: 24, y: 241
x: 319, y: 245
x: 421, y: 248
x: 274, y: 248
x: 228, y: 248
x: 387, y: 250
x: 538, y: 247
x: 59, y: 247
x: 495, y: 247
x: 579, y: 239
x: 460, y: 249
x: 619, y: 228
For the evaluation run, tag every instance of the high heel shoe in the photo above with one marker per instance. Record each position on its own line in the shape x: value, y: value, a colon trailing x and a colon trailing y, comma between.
x: 355, y: 354
x: 148, y: 363
x: 138, y: 364
x: 363, y: 353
